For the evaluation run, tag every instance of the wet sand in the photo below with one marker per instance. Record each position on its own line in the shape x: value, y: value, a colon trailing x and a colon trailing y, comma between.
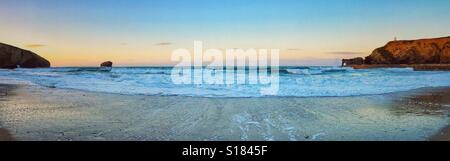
x: 432, y: 100
x: 32, y: 112
x: 443, y: 135
x: 4, y: 134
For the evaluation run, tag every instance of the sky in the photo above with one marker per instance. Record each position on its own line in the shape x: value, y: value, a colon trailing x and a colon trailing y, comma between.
x: 145, y: 32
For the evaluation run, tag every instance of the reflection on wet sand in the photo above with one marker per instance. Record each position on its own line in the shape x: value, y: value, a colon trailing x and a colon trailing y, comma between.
x: 428, y: 101
x: 39, y: 113
x: 4, y: 134
x: 443, y: 135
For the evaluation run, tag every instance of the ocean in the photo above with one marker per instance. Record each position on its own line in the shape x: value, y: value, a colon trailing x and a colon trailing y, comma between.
x: 300, y: 81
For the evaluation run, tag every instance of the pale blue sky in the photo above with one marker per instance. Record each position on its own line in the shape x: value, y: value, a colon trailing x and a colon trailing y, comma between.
x: 307, y: 31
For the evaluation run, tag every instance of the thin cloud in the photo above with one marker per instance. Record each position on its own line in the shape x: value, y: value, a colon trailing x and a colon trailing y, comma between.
x: 163, y: 44
x: 345, y: 53
x: 294, y: 49
x: 35, y: 45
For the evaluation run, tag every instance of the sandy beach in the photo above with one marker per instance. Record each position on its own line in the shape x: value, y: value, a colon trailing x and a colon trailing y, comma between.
x: 4, y: 134
x: 31, y: 112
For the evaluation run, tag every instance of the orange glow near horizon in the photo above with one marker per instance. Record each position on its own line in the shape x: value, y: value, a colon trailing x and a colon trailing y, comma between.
x: 144, y: 33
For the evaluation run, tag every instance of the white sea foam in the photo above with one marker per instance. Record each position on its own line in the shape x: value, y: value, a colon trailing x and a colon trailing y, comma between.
x: 294, y: 81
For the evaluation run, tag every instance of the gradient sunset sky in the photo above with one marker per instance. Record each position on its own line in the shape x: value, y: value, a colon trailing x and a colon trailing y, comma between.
x: 145, y: 32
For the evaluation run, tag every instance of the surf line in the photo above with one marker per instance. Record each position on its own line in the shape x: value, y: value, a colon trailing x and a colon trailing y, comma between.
x: 232, y: 66
x: 197, y: 151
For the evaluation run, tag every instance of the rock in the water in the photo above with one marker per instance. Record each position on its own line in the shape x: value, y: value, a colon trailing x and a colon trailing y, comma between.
x: 13, y: 57
x: 354, y: 61
x: 423, y: 51
x: 106, y: 64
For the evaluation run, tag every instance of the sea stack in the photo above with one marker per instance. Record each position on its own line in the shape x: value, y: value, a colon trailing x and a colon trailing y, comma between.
x: 106, y: 64
x: 13, y: 57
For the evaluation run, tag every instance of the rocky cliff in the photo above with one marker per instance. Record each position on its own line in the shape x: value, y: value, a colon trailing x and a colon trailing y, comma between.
x: 12, y: 57
x: 423, y: 51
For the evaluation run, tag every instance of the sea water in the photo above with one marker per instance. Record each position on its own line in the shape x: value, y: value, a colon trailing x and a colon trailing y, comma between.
x: 312, y: 81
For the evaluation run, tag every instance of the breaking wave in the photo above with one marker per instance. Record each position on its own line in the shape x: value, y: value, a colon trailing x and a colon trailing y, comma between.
x: 306, y: 81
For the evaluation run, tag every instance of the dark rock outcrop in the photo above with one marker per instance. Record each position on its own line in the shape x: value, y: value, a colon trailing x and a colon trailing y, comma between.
x: 354, y: 61
x: 423, y: 51
x: 106, y: 64
x: 12, y: 57
x: 416, y: 67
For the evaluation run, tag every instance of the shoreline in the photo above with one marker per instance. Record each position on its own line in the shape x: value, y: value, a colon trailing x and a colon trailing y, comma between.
x: 96, y: 103
x: 16, y: 85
